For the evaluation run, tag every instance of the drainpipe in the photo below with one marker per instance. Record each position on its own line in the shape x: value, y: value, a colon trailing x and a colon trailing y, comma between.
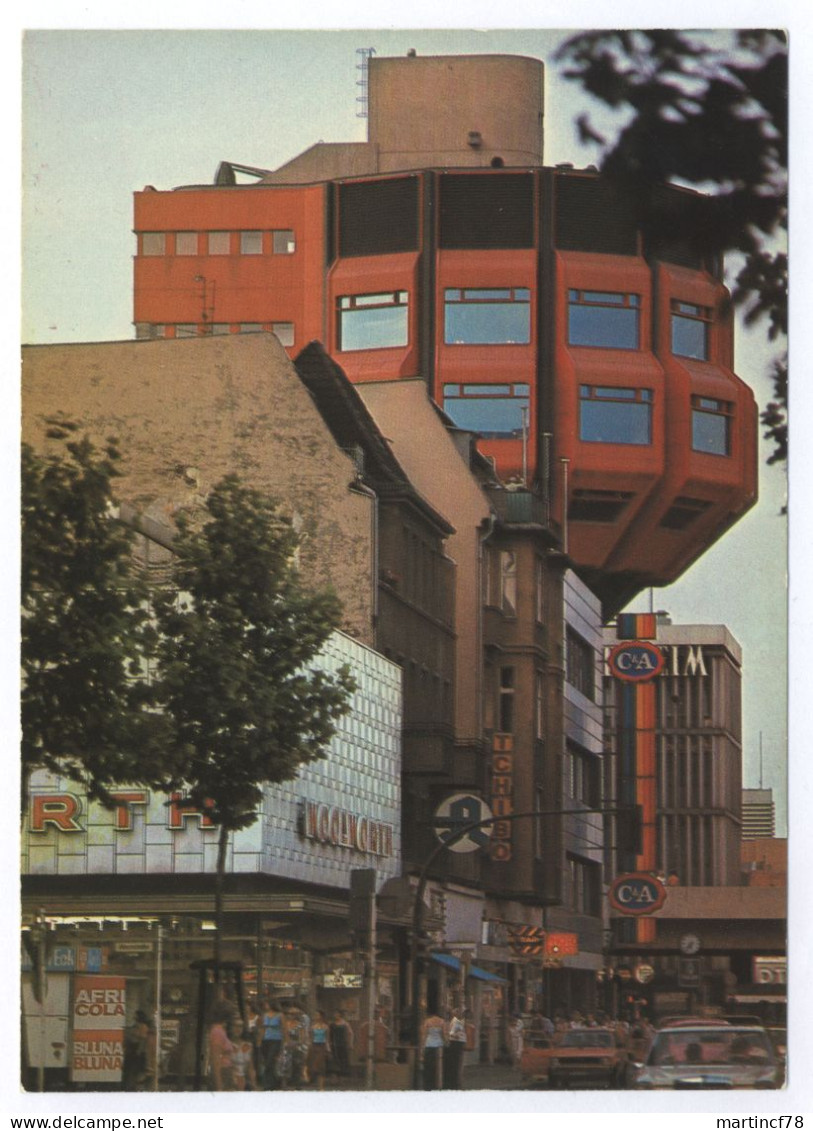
x: 564, y: 462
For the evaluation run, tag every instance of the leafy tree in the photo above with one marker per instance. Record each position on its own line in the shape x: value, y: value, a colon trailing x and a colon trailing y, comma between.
x: 709, y: 116
x: 237, y: 641
x: 84, y: 629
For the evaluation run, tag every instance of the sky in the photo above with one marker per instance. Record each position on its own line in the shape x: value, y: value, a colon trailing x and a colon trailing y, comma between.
x: 108, y: 111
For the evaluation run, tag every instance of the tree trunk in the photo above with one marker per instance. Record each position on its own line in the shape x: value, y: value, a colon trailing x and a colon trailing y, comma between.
x: 220, y: 874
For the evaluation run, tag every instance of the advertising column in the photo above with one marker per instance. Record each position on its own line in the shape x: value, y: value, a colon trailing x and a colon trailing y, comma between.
x: 97, y: 1045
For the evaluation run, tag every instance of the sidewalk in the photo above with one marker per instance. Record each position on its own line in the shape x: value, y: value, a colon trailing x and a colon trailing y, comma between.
x: 491, y: 1077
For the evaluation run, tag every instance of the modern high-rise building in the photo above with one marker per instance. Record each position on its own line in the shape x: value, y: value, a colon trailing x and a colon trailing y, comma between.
x: 593, y: 357
x: 758, y: 814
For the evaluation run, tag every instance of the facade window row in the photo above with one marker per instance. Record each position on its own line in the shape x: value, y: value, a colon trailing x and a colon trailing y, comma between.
x: 285, y: 331
x: 279, y: 241
x: 502, y: 316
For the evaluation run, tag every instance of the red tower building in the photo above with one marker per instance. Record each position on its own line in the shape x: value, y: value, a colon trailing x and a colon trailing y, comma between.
x: 594, y: 360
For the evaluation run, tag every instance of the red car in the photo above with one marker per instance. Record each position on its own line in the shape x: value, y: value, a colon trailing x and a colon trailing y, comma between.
x: 588, y: 1057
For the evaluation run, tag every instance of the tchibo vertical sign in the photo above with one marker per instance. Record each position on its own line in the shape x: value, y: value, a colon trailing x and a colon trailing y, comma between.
x: 97, y: 1047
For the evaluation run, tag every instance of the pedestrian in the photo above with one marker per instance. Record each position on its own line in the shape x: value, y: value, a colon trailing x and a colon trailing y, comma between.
x: 515, y: 1040
x: 139, y: 1054
x: 296, y: 1044
x: 341, y: 1041
x: 242, y: 1058
x: 221, y: 1049
x: 433, y: 1034
x: 319, y: 1050
x: 270, y: 1030
x: 455, y: 1049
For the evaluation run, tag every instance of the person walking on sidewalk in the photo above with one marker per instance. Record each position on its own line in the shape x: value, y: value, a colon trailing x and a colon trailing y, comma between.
x: 453, y: 1056
x: 433, y: 1034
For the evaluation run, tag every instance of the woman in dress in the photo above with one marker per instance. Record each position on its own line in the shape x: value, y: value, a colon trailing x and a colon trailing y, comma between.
x: 433, y: 1033
x: 221, y: 1050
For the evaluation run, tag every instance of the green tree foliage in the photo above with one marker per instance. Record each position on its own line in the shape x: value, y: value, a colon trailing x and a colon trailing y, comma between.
x: 708, y: 111
x: 84, y: 627
x: 238, y: 637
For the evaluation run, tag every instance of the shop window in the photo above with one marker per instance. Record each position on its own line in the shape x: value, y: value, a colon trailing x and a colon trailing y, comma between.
x: 711, y: 426
x: 153, y: 243
x: 218, y: 243
x: 497, y: 412
x: 284, y: 331
x: 690, y: 330
x: 496, y: 316
x: 580, y: 663
x: 378, y: 321
x: 186, y: 243
x: 604, y: 319
x: 283, y: 242
x: 251, y: 243
x: 611, y: 415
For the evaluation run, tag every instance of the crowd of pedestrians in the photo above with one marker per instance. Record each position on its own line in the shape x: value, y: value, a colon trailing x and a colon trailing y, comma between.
x: 276, y: 1047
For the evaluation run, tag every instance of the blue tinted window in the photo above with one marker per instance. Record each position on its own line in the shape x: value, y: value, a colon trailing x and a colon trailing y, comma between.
x: 710, y: 426
x: 612, y: 416
x: 368, y: 322
x: 690, y: 330
x: 479, y: 410
x: 603, y: 319
x: 494, y: 316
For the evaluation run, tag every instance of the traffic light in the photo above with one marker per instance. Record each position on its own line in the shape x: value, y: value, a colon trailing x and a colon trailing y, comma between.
x: 629, y: 828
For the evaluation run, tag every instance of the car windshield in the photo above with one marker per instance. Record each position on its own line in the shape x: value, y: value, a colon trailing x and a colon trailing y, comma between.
x: 594, y: 1039
x: 720, y: 1045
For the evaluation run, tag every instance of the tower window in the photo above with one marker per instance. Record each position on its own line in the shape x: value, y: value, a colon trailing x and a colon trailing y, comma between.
x: 284, y: 331
x: 153, y: 243
x: 690, y: 330
x: 378, y: 321
x: 603, y: 318
x: 186, y: 243
x: 497, y: 412
x: 711, y: 426
x: 283, y: 242
x: 610, y: 415
x: 219, y: 243
x: 487, y: 316
x: 251, y: 243
x: 506, y: 700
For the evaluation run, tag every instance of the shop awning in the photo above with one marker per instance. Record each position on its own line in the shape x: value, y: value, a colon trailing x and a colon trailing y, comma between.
x: 446, y: 960
x: 484, y: 975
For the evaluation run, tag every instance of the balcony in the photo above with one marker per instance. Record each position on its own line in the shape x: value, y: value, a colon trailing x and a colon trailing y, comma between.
x: 522, y: 507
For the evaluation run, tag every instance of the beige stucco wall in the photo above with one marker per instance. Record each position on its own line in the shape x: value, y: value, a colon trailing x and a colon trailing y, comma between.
x: 186, y: 413
x: 426, y: 452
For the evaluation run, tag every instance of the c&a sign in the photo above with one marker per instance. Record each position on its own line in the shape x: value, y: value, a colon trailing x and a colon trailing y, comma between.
x: 635, y: 661
x: 637, y: 893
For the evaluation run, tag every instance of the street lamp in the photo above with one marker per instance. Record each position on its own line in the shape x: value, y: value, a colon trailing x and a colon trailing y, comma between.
x: 451, y: 836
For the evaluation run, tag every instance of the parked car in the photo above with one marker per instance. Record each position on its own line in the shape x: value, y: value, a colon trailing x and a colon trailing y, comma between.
x: 590, y: 1057
x: 710, y: 1056
x: 536, y: 1053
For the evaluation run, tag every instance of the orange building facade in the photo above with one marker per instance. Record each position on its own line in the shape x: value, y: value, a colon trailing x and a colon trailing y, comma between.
x: 594, y: 360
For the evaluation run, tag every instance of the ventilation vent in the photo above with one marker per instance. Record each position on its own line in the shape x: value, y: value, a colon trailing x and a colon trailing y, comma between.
x: 684, y: 511
x: 378, y: 217
x: 597, y: 506
x: 490, y: 210
x: 591, y: 216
